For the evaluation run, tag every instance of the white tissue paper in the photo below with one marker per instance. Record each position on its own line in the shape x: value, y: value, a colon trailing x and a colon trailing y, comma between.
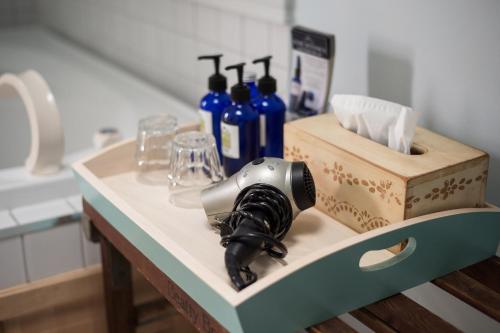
x: 388, y: 123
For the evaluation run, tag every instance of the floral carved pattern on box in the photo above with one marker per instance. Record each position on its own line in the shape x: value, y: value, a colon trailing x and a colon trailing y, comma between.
x: 335, y: 208
x: 339, y: 175
x: 380, y: 187
x: 294, y: 154
x: 366, y: 185
x: 449, y: 188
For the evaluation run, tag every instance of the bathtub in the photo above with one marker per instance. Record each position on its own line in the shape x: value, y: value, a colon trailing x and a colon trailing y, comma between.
x: 90, y: 94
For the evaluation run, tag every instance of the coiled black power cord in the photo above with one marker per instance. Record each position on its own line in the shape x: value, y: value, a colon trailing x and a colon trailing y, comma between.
x: 261, y: 217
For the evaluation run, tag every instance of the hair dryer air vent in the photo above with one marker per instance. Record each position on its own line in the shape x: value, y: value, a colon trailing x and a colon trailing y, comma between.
x: 303, y: 189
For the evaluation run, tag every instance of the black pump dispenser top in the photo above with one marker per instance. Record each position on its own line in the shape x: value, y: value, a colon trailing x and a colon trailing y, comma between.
x: 239, y: 92
x: 216, y: 82
x: 267, y: 83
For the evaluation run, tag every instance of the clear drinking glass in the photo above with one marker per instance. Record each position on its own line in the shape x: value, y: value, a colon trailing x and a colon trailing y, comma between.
x: 154, y: 140
x: 194, y: 165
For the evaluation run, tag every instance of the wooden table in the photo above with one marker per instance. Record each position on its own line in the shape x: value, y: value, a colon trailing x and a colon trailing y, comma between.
x: 478, y: 285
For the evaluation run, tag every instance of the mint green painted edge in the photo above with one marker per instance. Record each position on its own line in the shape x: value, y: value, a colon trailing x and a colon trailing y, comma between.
x: 335, y: 284
x: 196, y: 288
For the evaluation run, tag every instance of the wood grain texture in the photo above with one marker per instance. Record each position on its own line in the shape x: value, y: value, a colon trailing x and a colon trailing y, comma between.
x: 372, y: 321
x: 160, y: 316
x: 441, y: 152
x: 147, y: 206
x: 175, y: 295
x: 77, y: 305
x: 140, y: 214
x: 153, y: 310
x: 404, y: 315
x: 69, y: 302
x: 334, y: 325
x: 486, y: 272
x: 117, y: 277
x: 472, y: 292
x: 366, y: 185
x: 50, y: 292
x: 167, y: 324
x: 72, y: 317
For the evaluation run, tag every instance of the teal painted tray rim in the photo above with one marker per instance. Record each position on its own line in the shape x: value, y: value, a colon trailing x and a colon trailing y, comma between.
x: 214, y: 303
x: 234, y: 312
x: 335, y: 284
x: 358, y: 239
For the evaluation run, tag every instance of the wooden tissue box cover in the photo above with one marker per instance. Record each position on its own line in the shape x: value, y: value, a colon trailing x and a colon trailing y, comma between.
x: 366, y: 185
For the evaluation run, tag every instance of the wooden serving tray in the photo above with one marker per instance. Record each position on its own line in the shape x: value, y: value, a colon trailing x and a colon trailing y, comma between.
x: 320, y: 278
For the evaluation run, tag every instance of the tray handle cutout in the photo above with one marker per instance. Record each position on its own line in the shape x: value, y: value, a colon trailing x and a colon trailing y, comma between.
x: 381, y: 259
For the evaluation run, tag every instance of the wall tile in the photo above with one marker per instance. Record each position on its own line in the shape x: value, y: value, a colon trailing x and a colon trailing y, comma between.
x: 277, y: 11
x: 91, y: 251
x: 159, y: 40
x: 133, y: 37
x: 282, y: 77
x: 184, y: 60
x: 207, y: 24
x: 256, y: 38
x: 119, y: 30
x: 166, y: 17
x: 53, y: 251
x: 144, y: 10
x: 146, y: 42
x: 280, y: 44
x: 231, y: 36
x: 165, y: 49
x: 205, y: 68
x: 11, y: 255
x: 185, y: 23
x: 11, y: 262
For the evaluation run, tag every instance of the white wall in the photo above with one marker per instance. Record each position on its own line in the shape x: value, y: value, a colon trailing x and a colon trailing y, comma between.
x: 440, y: 57
x: 159, y: 40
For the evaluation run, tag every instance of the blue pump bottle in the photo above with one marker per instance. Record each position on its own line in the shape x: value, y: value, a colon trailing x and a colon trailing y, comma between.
x: 272, y: 111
x: 239, y: 127
x: 249, y: 79
x: 213, y: 104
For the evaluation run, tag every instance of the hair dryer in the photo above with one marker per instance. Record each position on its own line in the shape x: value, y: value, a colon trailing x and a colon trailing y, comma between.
x: 254, y: 209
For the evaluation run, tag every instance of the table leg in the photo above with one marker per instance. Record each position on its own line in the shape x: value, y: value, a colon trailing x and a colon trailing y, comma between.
x: 117, y: 289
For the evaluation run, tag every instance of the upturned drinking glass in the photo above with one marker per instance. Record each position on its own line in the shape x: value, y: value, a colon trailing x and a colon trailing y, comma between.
x: 194, y: 165
x: 154, y: 141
